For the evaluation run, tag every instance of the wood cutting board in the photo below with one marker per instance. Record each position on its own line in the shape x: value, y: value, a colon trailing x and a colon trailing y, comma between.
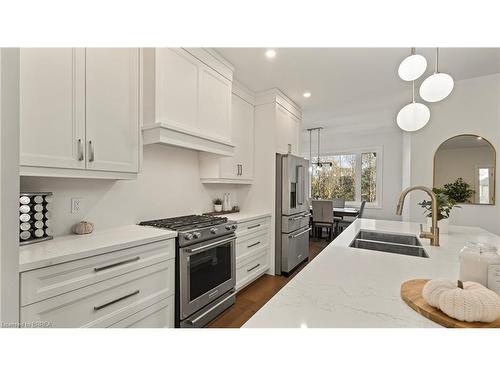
x: 411, y: 292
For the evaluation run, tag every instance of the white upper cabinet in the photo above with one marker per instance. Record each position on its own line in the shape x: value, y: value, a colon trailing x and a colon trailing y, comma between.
x: 215, y: 104
x: 288, y: 128
x: 239, y: 167
x: 192, y: 101
x: 52, y: 105
x: 112, y: 109
x: 177, y: 76
x: 79, y: 112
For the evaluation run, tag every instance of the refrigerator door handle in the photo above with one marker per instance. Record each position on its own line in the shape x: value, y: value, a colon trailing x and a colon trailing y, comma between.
x: 300, y: 184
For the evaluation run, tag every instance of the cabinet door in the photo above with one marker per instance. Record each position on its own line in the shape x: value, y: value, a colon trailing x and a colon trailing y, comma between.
x: 52, y: 104
x: 177, y: 83
x: 243, y: 133
x: 282, y: 126
x: 294, y: 134
x: 214, y: 116
x: 112, y: 109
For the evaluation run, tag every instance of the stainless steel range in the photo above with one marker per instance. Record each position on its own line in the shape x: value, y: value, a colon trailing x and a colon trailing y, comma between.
x: 205, y: 267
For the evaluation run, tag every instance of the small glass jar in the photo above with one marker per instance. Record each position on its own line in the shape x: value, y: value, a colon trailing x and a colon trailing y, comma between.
x: 475, y: 260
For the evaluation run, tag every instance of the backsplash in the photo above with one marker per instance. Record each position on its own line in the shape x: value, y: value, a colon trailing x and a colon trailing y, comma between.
x: 169, y: 185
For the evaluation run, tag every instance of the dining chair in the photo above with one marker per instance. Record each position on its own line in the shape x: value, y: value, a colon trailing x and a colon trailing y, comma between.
x: 323, y: 217
x: 338, y: 202
x: 348, y: 220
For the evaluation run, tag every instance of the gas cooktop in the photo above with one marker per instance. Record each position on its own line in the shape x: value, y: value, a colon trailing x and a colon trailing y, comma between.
x: 195, y: 228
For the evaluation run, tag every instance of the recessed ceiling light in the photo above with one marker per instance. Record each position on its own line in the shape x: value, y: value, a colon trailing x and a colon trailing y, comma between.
x: 307, y: 94
x: 270, y: 54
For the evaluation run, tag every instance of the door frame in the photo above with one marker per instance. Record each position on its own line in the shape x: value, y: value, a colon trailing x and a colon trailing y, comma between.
x: 9, y: 187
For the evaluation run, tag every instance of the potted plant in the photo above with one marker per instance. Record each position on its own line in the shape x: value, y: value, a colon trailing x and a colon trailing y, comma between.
x: 445, y: 205
x: 459, y: 191
x: 217, y: 205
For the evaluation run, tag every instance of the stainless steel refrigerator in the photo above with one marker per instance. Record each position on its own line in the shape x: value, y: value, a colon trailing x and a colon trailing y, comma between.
x: 292, y: 212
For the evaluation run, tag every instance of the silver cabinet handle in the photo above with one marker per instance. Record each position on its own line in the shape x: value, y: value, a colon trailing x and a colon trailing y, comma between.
x: 210, y: 245
x: 299, y: 234
x: 97, y: 269
x: 194, y: 321
x: 96, y: 308
x: 253, y: 226
x: 296, y: 218
x: 254, y: 267
x: 241, y: 169
x: 80, y: 149
x: 91, y: 151
x: 254, y: 244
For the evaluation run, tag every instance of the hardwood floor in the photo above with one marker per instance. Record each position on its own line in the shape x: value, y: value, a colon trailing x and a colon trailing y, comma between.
x: 255, y: 295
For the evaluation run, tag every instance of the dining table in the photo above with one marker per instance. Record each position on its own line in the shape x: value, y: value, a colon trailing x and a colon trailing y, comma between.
x: 344, y: 211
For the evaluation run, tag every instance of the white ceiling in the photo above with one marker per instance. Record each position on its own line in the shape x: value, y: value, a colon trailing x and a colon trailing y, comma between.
x: 350, y: 87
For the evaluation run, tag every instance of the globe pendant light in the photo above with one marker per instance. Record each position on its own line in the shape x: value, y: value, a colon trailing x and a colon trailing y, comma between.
x: 412, y: 67
x: 413, y: 116
x: 438, y: 86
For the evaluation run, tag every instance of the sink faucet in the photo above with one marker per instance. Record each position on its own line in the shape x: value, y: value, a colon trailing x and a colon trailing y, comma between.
x: 433, y: 235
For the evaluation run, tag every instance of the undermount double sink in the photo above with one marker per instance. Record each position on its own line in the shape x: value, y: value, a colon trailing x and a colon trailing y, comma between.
x: 403, y: 244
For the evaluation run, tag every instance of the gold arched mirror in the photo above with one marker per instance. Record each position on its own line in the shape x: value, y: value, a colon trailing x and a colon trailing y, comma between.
x: 464, y: 167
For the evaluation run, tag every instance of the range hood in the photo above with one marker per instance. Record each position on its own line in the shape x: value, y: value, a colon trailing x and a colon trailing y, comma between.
x: 160, y: 133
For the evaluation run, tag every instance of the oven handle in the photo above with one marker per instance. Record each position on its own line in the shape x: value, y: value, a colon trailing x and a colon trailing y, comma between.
x: 211, y: 245
x: 300, y: 234
x: 193, y: 322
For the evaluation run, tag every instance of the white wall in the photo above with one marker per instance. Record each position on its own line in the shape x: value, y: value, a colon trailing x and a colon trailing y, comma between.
x: 169, y: 185
x: 391, y: 142
x: 472, y: 108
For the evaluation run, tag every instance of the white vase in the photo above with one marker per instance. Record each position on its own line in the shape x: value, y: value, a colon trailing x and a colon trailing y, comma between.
x: 217, y: 207
x: 442, y: 225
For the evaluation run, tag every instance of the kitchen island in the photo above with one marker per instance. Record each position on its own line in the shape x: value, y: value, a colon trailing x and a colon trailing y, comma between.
x: 349, y: 287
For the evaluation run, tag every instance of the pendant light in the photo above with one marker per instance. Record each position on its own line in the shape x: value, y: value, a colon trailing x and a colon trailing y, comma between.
x: 318, y: 163
x: 413, y: 116
x: 412, y: 67
x: 438, y: 86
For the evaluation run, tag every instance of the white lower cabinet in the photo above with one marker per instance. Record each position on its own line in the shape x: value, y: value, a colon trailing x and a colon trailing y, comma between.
x: 127, y: 288
x: 252, y: 250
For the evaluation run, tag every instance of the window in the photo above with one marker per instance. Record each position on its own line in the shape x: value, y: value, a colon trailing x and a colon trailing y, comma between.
x: 337, y: 181
x: 354, y: 176
x: 369, y: 176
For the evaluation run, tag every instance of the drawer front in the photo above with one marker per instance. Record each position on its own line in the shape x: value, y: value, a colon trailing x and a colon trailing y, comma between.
x: 249, y: 271
x: 52, y: 281
x: 292, y: 223
x: 252, y: 226
x: 107, y: 302
x: 251, y: 244
x: 159, y: 315
x: 295, y: 248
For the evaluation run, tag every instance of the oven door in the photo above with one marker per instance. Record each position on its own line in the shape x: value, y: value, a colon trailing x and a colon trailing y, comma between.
x: 207, y: 271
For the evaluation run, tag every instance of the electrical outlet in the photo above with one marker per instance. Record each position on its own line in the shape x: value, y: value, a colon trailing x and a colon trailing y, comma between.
x: 76, y: 205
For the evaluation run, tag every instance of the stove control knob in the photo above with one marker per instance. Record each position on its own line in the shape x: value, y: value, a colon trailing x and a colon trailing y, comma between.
x: 229, y: 227
x: 234, y: 226
x: 196, y: 235
x: 188, y: 236
x: 213, y: 230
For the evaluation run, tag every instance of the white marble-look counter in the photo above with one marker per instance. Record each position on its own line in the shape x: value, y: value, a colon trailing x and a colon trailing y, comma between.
x: 349, y: 287
x: 72, y: 247
x: 242, y: 217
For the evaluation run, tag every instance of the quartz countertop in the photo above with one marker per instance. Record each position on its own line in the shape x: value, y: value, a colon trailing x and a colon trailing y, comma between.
x: 71, y: 247
x: 242, y: 217
x: 349, y: 287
